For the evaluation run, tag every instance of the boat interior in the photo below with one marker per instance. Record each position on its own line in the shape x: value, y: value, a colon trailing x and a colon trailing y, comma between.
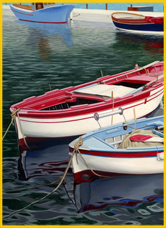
x: 104, y: 89
x: 26, y: 7
x: 128, y: 15
x: 116, y: 141
x: 94, y: 94
x: 34, y: 6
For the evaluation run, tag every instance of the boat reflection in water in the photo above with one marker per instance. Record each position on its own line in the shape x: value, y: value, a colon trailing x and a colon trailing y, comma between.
x: 116, y: 197
x: 122, y: 191
x: 51, y: 161
x: 148, y: 43
x: 57, y: 33
x: 137, y: 192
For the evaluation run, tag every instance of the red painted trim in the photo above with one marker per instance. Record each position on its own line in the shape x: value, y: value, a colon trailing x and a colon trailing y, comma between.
x: 117, y: 154
x: 87, y: 175
x: 131, y: 21
x: 154, y: 97
x: 30, y: 121
x: 55, y: 122
x: 33, y: 105
x: 43, y: 22
x: 143, y: 102
x: 22, y: 13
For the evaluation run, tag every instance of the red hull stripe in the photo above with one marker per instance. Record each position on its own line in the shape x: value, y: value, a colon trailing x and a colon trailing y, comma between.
x: 120, y: 154
x: 143, y: 102
x: 155, y: 96
x: 44, y: 22
x: 56, y: 122
x: 22, y: 13
x: 87, y: 117
x: 87, y: 175
x: 133, y: 23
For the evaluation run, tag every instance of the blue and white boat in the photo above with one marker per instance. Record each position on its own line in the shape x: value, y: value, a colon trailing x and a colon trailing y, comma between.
x: 109, y: 151
x: 138, y: 23
x: 42, y: 12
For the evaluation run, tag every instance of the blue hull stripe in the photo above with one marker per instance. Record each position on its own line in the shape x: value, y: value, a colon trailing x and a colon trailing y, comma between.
x: 140, y: 27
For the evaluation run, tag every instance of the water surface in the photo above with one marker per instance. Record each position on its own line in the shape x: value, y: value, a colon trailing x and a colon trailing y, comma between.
x: 36, y: 55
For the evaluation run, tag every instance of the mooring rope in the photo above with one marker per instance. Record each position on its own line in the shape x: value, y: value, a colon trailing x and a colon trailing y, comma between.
x: 13, y: 117
x: 76, y: 147
x: 90, y: 167
x: 22, y: 131
x: 149, y: 74
x: 37, y: 186
x: 76, y: 15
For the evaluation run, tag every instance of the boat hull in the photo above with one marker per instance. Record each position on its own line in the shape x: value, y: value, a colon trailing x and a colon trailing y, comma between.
x: 137, y: 25
x: 115, y: 166
x: 148, y: 28
x: 56, y: 14
x: 100, y: 154
x: 69, y: 112
x: 79, y: 125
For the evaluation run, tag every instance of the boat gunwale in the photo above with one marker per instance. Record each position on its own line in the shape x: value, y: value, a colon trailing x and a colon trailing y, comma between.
x: 131, y: 21
x: 100, y: 106
x: 28, y: 10
x: 143, y: 94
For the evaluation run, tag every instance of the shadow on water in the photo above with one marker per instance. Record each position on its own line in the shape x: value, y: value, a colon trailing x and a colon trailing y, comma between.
x: 124, y: 192
x: 151, y: 44
x: 38, y: 31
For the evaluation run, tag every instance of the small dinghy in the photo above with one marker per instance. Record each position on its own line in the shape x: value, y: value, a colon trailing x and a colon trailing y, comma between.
x: 69, y: 112
x: 42, y: 12
x: 137, y: 23
x: 111, y: 151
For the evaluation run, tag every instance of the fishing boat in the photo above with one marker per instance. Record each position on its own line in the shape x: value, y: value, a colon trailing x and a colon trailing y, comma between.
x: 132, y: 148
x: 138, y: 23
x: 69, y: 112
x: 42, y: 12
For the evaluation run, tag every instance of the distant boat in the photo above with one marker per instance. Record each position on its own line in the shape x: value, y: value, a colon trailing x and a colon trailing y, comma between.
x: 137, y: 23
x: 69, y: 112
x: 42, y: 12
x: 110, y: 151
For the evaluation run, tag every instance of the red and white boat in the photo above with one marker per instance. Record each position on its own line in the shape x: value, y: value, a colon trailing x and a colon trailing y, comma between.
x: 70, y: 111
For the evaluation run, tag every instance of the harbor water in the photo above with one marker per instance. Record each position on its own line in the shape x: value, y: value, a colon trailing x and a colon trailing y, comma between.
x: 62, y: 55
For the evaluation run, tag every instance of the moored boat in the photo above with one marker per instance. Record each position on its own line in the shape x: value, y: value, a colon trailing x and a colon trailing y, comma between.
x: 138, y: 23
x: 42, y: 12
x: 111, y: 151
x: 69, y: 112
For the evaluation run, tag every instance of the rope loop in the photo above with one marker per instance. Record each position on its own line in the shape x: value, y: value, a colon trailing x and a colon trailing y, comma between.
x: 78, y: 143
x: 13, y: 117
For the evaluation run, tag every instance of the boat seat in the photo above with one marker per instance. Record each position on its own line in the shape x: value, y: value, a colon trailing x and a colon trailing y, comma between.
x: 106, y: 90
x: 27, y: 7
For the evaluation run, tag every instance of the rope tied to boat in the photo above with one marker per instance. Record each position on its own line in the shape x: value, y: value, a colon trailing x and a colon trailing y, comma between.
x: 76, y: 15
x: 13, y: 117
x: 22, y: 132
x: 77, y: 145
x: 61, y: 179
x: 148, y: 74
x: 76, y: 149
